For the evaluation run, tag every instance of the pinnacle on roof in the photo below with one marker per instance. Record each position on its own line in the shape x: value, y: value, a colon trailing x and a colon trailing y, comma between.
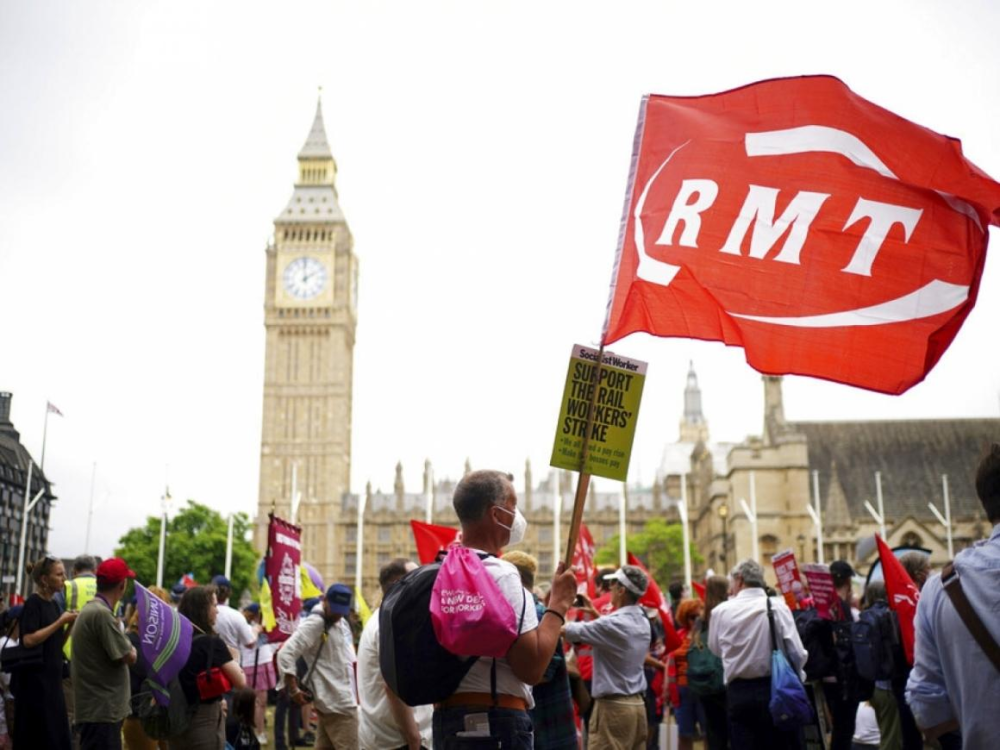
x: 316, y: 145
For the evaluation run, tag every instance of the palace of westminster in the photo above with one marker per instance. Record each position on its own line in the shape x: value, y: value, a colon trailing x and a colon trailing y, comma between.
x: 310, y: 319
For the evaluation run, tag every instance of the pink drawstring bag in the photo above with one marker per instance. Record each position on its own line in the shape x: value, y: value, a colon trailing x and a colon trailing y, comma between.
x: 471, y: 616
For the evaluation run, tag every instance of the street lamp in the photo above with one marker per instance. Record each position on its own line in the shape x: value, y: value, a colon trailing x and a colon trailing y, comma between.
x: 724, y: 515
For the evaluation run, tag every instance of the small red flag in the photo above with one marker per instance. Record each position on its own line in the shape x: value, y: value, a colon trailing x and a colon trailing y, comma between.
x: 654, y: 598
x: 823, y: 234
x: 431, y: 539
x: 902, y: 592
x: 583, y: 562
x: 699, y: 589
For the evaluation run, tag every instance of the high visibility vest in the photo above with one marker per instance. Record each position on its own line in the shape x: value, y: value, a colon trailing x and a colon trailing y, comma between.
x: 79, y: 591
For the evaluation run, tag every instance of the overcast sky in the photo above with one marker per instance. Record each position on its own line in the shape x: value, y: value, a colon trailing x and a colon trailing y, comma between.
x: 483, y: 148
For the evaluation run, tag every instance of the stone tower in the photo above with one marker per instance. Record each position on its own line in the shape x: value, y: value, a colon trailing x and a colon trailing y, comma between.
x: 693, y: 427
x: 310, y: 316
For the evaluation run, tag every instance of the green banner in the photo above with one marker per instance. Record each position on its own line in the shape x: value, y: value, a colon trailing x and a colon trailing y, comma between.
x: 616, y: 395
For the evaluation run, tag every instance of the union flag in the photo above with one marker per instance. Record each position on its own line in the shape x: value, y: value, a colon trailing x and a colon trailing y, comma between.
x: 822, y: 233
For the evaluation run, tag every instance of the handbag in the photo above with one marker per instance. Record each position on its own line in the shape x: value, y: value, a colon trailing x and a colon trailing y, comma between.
x: 789, y: 705
x: 15, y: 659
x: 212, y: 683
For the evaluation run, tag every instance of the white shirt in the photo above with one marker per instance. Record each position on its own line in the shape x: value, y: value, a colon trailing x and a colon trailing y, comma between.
x: 739, y: 634
x: 232, y: 627
x: 261, y: 653
x: 377, y: 727
x: 866, y: 726
x: 332, y: 682
x: 477, y: 680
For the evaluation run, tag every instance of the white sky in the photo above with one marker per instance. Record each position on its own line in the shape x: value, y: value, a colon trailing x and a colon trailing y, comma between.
x: 145, y: 149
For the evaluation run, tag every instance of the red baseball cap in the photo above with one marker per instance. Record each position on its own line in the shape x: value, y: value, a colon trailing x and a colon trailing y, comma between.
x: 114, y: 570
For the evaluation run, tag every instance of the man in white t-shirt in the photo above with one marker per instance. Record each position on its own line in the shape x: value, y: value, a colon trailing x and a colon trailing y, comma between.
x: 494, y: 697
x: 385, y: 721
x: 231, y: 625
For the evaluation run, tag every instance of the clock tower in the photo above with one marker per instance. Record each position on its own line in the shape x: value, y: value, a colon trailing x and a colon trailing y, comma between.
x: 310, y: 315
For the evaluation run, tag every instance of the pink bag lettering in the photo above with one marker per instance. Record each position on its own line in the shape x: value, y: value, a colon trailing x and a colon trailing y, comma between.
x: 471, y: 616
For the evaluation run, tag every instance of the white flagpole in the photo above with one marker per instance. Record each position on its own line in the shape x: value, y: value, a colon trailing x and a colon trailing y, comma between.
x: 683, y: 510
x: 362, y: 500
x: 24, y: 528
x: 945, y: 520
x: 293, y: 504
x: 622, y: 548
x: 817, y: 516
x: 90, y: 512
x: 229, y: 547
x: 430, y: 495
x: 45, y: 435
x: 164, y: 503
x: 881, y: 508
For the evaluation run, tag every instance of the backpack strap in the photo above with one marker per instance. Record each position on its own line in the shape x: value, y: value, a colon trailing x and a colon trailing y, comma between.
x: 953, y: 587
x: 770, y: 623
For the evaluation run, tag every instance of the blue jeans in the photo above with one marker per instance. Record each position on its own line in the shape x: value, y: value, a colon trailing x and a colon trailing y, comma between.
x: 750, y: 725
x: 509, y: 729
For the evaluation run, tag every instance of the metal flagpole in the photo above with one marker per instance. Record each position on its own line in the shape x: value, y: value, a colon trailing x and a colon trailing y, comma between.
x: 945, y: 520
x: 622, y: 541
x: 686, y: 536
x: 293, y: 503
x: 229, y: 547
x: 28, y: 507
x: 556, y: 512
x: 362, y: 501
x: 817, y: 517
x: 90, y: 512
x: 45, y: 435
x: 881, y: 507
x: 750, y: 511
x: 164, y: 503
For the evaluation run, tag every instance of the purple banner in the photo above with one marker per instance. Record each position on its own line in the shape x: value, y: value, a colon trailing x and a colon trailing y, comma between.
x: 165, y: 637
x: 284, y: 555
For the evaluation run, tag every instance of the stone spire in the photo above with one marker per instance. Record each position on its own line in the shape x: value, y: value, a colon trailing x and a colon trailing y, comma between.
x: 428, y: 476
x: 836, y: 515
x: 693, y: 426
x: 527, y: 478
x: 398, y: 484
x: 468, y: 467
x: 774, y: 409
x: 316, y: 145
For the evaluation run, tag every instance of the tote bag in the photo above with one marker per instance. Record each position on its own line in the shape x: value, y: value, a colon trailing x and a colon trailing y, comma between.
x: 790, y: 707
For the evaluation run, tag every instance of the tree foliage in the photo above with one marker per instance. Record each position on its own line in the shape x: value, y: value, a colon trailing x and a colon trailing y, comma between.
x: 660, y: 546
x: 196, y: 544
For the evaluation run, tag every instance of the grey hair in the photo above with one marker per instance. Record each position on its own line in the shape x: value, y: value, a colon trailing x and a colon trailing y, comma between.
x: 479, y: 491
x: 750, y: 572
x: 639, y: 580
x: 84, y: 564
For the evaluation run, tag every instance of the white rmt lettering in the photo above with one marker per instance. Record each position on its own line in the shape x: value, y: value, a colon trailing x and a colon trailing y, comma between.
x: 758, y: 209
x: 706, y: 192
x: 884, y: 216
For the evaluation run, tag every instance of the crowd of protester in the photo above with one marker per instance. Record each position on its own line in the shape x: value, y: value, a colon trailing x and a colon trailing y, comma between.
x: 581, y: 673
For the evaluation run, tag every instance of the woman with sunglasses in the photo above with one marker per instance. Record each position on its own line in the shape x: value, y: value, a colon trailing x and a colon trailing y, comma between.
x: 41, y: 708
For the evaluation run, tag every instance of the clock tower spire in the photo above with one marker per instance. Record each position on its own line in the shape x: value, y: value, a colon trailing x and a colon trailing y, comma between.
x: 310, y: 317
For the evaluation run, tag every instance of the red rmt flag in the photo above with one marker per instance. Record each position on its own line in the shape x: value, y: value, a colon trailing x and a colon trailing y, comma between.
x: 654, y: 598
x: 431, y: 539
x: 902, y: 593
x: 823, y: 234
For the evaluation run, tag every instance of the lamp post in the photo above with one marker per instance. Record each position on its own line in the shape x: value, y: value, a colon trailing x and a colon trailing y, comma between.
x: 724, y: 515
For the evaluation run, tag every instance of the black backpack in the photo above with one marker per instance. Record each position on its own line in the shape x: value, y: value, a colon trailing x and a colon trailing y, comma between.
x: 874, y: 638
x: 816, y: 635
x: 414, y: 665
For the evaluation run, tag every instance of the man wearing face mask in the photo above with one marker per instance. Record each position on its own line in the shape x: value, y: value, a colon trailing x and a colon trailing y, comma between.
x: 325, y: 641
x: 493, y: 699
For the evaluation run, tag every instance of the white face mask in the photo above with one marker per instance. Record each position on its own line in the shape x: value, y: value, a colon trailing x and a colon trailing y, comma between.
x: 517, y: 527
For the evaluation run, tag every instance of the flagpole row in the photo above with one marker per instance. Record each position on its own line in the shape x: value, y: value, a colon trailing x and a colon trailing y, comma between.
x: 583, y: 482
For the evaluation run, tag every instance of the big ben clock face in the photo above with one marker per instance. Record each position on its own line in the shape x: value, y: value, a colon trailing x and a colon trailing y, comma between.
x: 304, y: 278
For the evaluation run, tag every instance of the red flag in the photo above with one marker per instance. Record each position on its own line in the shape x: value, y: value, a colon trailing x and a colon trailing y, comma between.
x: 902, y: 592
x: 431, y: 539
x: 823, y: 234
x: 699, y: 589
x: 583, y: 562
x: 281, y: 566
x: 654, y: 598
